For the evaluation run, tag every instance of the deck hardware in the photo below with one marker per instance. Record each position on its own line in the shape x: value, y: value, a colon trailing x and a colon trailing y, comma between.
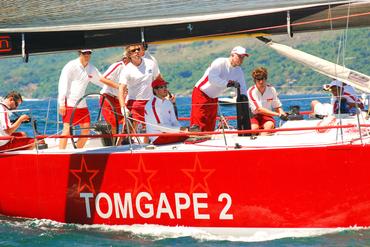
x: 24, y: 50
x: 237, y: 146
x: 288, y: 24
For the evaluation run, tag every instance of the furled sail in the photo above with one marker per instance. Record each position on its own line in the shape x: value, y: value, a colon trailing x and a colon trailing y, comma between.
x: 346, y: 75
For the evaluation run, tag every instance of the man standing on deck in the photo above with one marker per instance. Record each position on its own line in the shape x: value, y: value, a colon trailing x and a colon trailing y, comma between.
x: 136, y: 78
x: 11, y: 102
x: 110, y: 91
x: 160, y: 115
x: 223, y: 73
x: 264, y: 102
x: 73, y: 82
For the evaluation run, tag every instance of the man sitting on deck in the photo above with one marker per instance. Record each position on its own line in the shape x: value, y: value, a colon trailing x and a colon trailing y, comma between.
x: 343, y: 100
x: 264, y: 102
x: 11, y: 102
x: 160, y: 115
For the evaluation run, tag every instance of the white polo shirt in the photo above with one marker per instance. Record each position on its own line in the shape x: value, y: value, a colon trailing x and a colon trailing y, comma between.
x: 4, y: 123
x: 269, y: 99
x: 73, y: 82
x: 149, y: 56
x: 216, y: 77
x: 160, y: 117
x: 113, y: 73
x: 139, y: 79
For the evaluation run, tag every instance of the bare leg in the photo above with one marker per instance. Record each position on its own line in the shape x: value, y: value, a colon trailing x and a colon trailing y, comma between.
x: 84, y: 131
x: 268, y: 126
x: 313, y: 103
x: 254, y: 127
x: 65, y: 132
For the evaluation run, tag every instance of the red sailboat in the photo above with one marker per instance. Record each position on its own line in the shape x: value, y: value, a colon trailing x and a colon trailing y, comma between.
x: 308, y: 174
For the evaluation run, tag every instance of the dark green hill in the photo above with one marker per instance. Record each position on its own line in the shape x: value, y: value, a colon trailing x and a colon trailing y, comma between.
x: 184, y: 63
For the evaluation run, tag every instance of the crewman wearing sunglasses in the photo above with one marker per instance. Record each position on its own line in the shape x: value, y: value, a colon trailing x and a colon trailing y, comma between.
x: 264, y: 102
x: 21, y: 142
x: 73, y: 82
x: 160, y: 116
x: 136, y: 78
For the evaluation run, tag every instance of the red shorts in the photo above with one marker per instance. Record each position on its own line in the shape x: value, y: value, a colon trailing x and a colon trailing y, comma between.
x: 81, y: 115
x: 18, y: 143
x: 203, y: 110
x: 137, y: 108
x: 260, y: 120
x: 169, y: 139
x: 107, y: 111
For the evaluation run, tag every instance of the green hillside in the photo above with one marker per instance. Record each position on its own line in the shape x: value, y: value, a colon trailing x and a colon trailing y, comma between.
x: 182, y: 64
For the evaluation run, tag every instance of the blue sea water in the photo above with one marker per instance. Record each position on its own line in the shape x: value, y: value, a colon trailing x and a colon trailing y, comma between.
x: 33, y: 232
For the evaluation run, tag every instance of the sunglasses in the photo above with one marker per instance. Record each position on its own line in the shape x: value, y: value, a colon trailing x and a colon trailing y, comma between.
x: 259, y: 79
x: 86, y: 53
x: 161, y: 87
x: 135, y: 50
x: 16, y: 103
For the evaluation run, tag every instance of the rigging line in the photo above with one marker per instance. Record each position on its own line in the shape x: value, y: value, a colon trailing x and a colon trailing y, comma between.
x: 47, y: 117
x: 343, y: 43
x: 34, y: 135
x: 222, y: 120
x: 331, y: 29
x: 146, y: 123
x: 345, y: 33
x: 358, y: 110
x: 58, y: 120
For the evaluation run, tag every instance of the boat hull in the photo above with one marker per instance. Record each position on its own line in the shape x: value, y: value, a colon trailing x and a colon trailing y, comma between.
x: 306, y: 187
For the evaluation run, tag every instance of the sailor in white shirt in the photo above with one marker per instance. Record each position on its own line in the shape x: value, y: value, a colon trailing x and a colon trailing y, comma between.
x: 343, y: 100
x: 146, y: 54
x: 11, y: 102
x: 264, y: 102
x: 160, y: 115
x: 223, y: 73
x: 73, y: 82
x: 136, y: 78
x: 110, y: 92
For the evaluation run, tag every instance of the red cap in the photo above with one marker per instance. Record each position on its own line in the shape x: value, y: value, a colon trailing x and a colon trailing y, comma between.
x: 158, y: 82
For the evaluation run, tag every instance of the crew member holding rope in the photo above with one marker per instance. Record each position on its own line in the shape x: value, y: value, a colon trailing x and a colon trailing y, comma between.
x: 11, y: 102
x: 160, y: 115
x: 223, y: 73
x: 264, y: 102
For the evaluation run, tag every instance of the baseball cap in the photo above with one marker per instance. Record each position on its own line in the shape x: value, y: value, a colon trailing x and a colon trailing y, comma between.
x: 240, y: 51
x: 85, y: 50
x: 158, y: 82
x: 336, y: 83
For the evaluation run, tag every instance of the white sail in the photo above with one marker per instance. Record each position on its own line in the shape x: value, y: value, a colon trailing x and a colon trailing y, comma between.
x: 348, y: 76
